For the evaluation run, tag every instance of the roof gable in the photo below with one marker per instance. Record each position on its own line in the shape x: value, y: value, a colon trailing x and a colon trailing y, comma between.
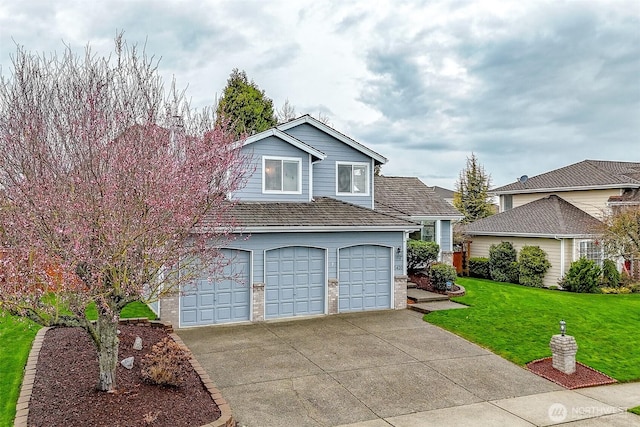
x: 410, y: 197
x: 584, y: 175
x: 319, y: 155
x: 551, y: 216
x: 307, y: 119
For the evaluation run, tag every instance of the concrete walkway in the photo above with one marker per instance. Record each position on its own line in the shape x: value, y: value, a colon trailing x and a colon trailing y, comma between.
x: 386, y: 368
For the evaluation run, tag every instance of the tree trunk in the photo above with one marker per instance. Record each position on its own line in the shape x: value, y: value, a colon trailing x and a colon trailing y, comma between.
x: 107, y: 332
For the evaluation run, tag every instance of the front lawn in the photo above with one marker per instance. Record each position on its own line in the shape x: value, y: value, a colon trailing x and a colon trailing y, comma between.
x: 517, y: 323
x: 16, y: 336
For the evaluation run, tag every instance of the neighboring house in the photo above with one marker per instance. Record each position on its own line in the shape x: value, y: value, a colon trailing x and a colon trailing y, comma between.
x: 446, y: 194
x: 560, y: 211
x: 309, y: 241
x: 410, y: 199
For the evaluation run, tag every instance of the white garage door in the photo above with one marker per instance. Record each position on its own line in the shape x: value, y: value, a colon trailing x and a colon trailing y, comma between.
x: 364, y: 278
x: 295, y: 282
x: 208, y: 301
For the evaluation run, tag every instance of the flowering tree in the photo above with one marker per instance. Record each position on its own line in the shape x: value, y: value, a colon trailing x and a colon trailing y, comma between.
x: 106, y: 182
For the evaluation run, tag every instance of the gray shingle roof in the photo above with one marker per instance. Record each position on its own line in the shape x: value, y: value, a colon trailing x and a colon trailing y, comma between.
x: 586, y: 174
x: 549, y: 216
x: 322, y: 213
x: 408, y: 196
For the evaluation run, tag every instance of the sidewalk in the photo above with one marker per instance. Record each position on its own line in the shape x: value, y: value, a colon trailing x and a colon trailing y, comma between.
x: 594, y: 406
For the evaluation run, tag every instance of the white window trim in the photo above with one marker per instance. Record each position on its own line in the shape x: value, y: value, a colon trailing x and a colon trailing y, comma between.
x: 264, y: 180
x: 577, y: 253
x: 368, y: 178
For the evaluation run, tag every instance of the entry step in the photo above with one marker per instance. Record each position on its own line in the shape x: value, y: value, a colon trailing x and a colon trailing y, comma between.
x: 420, y: 295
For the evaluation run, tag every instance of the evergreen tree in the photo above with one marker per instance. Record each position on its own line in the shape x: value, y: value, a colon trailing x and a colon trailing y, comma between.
x: 472, y: 191
x: 244, y: 107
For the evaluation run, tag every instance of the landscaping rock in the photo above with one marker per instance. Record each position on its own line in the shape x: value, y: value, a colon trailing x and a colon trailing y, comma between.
x: 127, y: 363
x: 137, y: 345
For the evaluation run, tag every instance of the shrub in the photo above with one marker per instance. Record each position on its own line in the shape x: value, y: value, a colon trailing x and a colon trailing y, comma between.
x: 532, y: 266
x: 440, y: 274
x: 583, y: 276
x: 479, y: 267
x: 167, y: 364
x: 503, y: 263
x: 420, y: 255
x: 616, y: 290
x: 610, y: 274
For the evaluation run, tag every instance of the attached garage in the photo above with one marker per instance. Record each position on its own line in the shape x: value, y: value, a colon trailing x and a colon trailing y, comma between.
x: 295, y: 282
x: 365, y: 280
x: 210, y: 301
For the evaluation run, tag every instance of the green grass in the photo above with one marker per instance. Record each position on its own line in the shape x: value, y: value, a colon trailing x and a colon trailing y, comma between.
x: 635, y: 410
x: 16, y: 335
x: 517, y: 323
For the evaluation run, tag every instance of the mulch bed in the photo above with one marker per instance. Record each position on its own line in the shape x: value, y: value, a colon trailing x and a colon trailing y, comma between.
x: 584, y: 376
x: 423, y: 282
x: 64, y: 390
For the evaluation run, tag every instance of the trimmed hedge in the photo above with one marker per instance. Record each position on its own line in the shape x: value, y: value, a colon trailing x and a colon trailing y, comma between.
x: 440, y: 274
x: 583, y: 276
x: 533, y: 265
x: 479, y: 267
x: 420, y: 255
x: 503, y: 262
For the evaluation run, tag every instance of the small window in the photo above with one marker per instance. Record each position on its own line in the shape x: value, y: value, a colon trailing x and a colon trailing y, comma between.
x: 352, y: 178
x: 507, y: 202
x: 591, y: 250
x: 281, y: 175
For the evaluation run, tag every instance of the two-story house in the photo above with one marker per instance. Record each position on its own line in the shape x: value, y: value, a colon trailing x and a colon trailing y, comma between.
x: 559, y: 210
x: 308, y: 240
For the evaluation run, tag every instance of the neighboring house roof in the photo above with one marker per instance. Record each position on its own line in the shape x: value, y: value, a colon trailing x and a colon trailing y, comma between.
x: 551, y: 216
x: 585, y: 175
x: 409, y: 197
x: 321, y: 214
x: 379, y: 159
x: 445, y: 193
x: 630, y: 197
x: 319, y: 155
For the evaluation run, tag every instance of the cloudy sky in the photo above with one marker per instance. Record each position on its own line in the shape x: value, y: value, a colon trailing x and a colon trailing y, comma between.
x: 528, y: 86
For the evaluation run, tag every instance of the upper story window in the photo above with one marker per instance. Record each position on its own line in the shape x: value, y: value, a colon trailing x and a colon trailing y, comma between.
x: 281, y: 175
x: 352, y: 178
x: 507, y: 202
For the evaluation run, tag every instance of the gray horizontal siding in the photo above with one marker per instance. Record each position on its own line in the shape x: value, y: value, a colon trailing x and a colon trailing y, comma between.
x: 324, y: 172
x: 258, y: 243
x: 272, y: 147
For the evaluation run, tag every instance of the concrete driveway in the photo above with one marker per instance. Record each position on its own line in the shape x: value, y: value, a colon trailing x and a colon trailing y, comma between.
x: 350, y: 368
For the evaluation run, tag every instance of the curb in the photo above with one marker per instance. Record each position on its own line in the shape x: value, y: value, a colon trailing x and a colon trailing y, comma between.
x: 226, y: 417
x: 22, y: 406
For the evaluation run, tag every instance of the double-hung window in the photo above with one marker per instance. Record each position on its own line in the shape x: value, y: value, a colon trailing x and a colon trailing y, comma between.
x: 281, y: 175
x: 352, y: 178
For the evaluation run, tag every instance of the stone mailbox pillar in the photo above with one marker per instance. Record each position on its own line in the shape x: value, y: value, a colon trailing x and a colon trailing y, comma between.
x: 564, y: 349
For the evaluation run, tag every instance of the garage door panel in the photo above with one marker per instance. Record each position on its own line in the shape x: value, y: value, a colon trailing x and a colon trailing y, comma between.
x: 364, y: 278
x: 223, y: 299
x: 299, y: 279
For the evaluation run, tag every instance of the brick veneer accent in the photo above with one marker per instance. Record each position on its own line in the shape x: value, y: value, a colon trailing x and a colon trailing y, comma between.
x: 258, y: 302
x: 170, y: 309
x: 400, y: 292
x: 22, y: 407
x: 332, y: 291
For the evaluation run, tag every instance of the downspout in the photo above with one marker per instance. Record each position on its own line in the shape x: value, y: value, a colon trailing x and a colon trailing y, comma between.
x: 562, y: 255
